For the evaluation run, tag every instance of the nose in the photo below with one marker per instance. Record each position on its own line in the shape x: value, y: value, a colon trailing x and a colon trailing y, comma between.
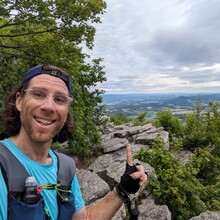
x: 48, y: 104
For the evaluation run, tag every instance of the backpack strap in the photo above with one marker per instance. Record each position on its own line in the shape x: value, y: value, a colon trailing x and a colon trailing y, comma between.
x: 13, y: 171
x: 65, y: 175
x: 15, y: 180
x: 66, y: 169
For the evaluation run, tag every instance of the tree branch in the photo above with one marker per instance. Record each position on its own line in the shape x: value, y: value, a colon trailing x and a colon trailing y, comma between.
x: 9, y: 24
x: 26, y: 34
x: 20, y: 53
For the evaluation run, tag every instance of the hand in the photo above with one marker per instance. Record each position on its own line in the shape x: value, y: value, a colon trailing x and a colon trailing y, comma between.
x: 139, y: 173
x: 133, y: 177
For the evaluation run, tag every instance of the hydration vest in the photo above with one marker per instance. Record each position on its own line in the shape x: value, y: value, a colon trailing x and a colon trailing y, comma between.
x: 15, y: 174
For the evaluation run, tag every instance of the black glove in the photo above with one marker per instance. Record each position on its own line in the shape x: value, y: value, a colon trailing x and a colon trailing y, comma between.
x: 129, y: 184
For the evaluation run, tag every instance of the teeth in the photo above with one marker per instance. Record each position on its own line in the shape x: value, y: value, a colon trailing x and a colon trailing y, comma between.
x: 43, y: 121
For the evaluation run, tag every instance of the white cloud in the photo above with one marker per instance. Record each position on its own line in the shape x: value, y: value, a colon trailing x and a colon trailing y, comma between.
x: 160, y: 46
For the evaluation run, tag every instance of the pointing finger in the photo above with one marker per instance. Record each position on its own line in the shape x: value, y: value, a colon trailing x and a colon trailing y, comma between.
x: 129, y: 156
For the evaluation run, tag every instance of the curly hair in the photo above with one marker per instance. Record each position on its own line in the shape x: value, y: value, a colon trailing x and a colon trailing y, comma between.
x: 12, y: 122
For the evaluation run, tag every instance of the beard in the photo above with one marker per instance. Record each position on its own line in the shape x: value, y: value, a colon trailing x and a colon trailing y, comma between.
x: 37, y: 135
x: 41, y: 137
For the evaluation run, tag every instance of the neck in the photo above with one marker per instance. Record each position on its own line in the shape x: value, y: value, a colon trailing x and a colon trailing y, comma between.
x: 36, y: 151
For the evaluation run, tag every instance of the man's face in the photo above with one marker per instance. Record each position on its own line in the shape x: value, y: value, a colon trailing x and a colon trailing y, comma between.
x: 41, y: 121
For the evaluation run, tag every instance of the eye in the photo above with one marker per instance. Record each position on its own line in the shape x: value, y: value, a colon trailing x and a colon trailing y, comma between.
x: 38, y: 94
x: 61, y: 99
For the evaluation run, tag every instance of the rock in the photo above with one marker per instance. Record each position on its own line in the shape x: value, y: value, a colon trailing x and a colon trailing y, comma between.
x: 92, y: 186
x: 130, y: 131
x: 207, y: 216
x: 145, y: 138
x: 150, y: 211
x: 122, y: 135
x: 111, y: 170
x: 106, y: 170
x: 114, y: 144
x: 121, y: 214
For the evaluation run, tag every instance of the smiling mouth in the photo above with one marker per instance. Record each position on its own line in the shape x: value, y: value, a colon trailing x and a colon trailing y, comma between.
x: 44, y: 121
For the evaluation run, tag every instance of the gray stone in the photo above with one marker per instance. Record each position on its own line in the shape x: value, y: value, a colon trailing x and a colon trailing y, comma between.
x: 150, y: 211
x: 104, y: 173
x: 145, y: 138
x: 114, y: 144
x: 92, y: 186
x: 207, y: 216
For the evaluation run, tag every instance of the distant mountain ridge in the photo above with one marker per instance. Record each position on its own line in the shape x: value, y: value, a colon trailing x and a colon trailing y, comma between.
x: 132, y: 104
x: 184, y: 100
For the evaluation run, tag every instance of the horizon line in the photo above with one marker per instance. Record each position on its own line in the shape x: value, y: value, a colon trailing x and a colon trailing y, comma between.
x: 162, y: 93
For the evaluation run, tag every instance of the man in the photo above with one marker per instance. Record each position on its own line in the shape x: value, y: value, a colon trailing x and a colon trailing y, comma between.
x: 36, y: 115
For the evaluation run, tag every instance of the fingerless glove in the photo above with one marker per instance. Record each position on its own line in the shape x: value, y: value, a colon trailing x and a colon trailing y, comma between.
x: 127, y: 185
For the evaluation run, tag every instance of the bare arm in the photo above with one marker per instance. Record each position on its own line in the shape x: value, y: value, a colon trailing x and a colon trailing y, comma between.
x: 105, y: 209
x: 110, y: 204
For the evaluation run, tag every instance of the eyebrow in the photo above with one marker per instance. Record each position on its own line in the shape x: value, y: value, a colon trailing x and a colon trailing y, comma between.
x: 46, y: 90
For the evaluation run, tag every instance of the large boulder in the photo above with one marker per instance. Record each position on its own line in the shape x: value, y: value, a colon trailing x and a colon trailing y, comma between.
x: 113, y: 144
x: 92, y: 186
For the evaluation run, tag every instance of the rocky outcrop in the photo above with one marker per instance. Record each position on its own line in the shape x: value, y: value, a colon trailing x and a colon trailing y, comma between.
x: 103, y: 174
x: 118, y: 137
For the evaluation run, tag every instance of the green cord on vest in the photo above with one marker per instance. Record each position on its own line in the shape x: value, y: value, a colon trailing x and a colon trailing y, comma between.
x: 48, y: 186
x: 46, y: 212
x: 58, y: 190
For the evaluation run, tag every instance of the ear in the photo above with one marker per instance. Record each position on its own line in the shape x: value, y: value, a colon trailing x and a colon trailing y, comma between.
x: 18, y: 101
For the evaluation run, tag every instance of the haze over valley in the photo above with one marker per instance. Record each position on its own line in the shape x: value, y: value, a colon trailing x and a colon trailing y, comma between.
x: 132, y: 104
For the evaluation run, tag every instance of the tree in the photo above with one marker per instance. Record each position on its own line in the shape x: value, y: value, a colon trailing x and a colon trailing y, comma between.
x: 119, y: 119
x: 140, y: 119
x: 213, y: 127
x: 170, y: 123
x: 203, y: 128
x: 38, y: 31
x: 195, y: 132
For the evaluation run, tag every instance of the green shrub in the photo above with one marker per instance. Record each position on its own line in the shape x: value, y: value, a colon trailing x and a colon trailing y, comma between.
x: 119, y: 119
x: 175, y: 186
x: 170, y: 123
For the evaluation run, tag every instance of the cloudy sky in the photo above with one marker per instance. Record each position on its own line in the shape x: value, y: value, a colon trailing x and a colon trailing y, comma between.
x: 160, y: 46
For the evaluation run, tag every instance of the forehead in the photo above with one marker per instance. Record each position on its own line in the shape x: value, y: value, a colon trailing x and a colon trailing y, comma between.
x: 48, y: 82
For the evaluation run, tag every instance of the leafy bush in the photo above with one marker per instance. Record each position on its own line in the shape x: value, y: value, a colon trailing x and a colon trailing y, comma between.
x: 170, y: 123
x: 194, y: 188
x: 202, y: 129
x: 140, y: 119
x: 175, y: 186
x: 119, y: 119
x: 195, y: 133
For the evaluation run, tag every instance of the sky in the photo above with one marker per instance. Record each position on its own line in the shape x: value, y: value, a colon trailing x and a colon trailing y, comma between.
x: 160, y: 46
